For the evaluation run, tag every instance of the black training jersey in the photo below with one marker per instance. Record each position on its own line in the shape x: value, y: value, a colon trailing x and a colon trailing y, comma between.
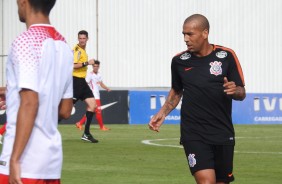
x: 206, y: 109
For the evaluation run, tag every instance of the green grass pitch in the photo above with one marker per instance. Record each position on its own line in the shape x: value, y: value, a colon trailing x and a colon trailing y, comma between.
x: 121, y: 158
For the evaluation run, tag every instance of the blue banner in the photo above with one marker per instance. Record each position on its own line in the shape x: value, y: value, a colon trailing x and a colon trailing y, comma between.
x: 258, y: 108
x: 255, y: 109
x: 144, y: 104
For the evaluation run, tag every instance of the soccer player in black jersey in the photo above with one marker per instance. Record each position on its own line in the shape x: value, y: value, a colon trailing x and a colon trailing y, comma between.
x: 207, y: 77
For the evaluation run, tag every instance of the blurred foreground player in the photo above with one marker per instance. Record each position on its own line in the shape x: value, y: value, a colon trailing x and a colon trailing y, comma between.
x: 39, y: 92
x: 208, y: 77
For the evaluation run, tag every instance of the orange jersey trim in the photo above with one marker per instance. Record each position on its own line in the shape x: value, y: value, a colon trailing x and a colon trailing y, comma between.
x: 239, y: 68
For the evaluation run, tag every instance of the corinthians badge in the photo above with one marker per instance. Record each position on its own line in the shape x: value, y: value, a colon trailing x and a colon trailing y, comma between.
x: 221, y: 54
x: 216, y: 68
x: 185, y: 56
x: 192, y: 160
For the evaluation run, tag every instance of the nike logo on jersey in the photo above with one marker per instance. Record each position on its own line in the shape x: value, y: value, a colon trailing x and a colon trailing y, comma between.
x: 187, y: 69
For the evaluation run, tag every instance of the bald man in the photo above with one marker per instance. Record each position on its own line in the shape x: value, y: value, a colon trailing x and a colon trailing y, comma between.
x: 207, y: 77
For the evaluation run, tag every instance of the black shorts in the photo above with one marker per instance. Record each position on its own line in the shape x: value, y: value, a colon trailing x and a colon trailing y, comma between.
x: 81, y: 90
x: 202, y: 156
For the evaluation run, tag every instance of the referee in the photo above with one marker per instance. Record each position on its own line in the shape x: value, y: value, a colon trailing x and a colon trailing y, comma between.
x: 81, y: 90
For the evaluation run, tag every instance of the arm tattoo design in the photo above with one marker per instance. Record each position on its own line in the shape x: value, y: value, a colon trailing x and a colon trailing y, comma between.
x: 240, y: 93
x: 171, y: 102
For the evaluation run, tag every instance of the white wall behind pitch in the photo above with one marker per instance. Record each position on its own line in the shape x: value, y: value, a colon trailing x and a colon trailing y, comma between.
x: 68, y: 16
x: 138, y: 38
x: 71, y: 16
x: 11, y: 28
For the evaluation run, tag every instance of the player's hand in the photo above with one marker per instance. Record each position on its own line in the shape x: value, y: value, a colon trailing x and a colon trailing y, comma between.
x: 15, y: 173
x: 156, y: 121
x: 2, y: 98
x: 91, y: 62
x: 2, y: 102
x: 229, y: 86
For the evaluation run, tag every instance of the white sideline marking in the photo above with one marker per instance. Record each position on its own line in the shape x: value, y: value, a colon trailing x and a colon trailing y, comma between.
x: 150, y: 142
x: 254, y: 152
x: 258, y: 137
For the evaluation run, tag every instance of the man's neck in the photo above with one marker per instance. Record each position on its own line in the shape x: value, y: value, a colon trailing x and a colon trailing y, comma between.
x: 36, y: 18
x: 83, y: 47
x: 207, y: 49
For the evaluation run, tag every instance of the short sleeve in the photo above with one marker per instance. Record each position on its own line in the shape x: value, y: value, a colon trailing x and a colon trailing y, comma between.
x: 88, y: 77
x: 68, y: 93
x: 176, y: 83
x: 100, y: 78
x: 26, y: 57
x: 76, y: 54
x: 235, y: 72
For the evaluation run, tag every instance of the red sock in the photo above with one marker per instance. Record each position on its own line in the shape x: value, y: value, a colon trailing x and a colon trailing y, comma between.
x: 98, y: 112
x: 3, y: 129
x: 83, y: 119
x: 99, y: 118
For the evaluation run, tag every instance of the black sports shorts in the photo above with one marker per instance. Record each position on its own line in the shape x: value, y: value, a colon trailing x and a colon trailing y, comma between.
x: 81, y: 90
x: 202, y: 156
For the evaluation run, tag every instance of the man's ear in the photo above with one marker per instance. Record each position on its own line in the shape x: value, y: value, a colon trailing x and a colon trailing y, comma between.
x: 22, y: 3
x: 205, y: 34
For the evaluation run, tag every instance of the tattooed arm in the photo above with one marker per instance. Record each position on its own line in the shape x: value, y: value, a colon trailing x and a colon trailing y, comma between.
x: 171, y: 102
